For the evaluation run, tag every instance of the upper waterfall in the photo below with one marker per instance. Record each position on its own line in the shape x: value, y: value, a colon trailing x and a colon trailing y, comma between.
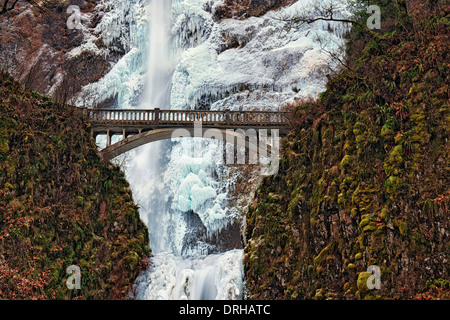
x: 156, y: 92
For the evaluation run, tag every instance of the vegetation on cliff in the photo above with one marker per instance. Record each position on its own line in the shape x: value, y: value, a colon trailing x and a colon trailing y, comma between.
x: 364, y: 174
x: 61, y: 205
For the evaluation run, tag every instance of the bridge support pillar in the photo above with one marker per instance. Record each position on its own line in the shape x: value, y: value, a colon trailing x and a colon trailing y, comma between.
x: 156, y: 115
x: 108, y: 137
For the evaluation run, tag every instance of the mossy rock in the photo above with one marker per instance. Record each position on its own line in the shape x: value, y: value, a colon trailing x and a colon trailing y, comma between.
x: 132, y: 260
x: 361, y: 283
x: 345, y: 162
x: 364, y: 223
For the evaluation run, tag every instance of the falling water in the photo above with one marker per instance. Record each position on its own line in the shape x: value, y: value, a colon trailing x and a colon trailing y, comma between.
x: 173, y: 275
x: 160, y: 66
x: 149, y: 158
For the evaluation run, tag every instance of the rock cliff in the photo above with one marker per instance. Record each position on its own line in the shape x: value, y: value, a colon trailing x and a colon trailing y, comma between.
x: 34, y: 47
x: 364, y: 175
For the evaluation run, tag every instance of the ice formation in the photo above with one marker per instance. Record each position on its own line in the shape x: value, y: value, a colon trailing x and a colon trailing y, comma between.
x: 214, y: 277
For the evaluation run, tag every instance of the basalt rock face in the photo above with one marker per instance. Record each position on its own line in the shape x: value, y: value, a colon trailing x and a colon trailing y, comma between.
x: 34, y: 44
x: 363, y: 177
x: 245, y: 8
x: 61, y: 205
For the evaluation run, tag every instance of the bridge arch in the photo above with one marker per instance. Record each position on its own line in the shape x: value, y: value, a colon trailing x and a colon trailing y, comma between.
x: 249, y: 140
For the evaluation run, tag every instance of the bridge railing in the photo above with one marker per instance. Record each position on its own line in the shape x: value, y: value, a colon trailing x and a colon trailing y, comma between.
x: 186, y: 117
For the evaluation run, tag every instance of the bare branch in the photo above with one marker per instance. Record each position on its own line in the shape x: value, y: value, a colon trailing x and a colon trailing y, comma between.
x: 323, y: 12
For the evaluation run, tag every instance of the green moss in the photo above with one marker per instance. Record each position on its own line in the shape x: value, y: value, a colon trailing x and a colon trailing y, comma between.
x: 369, y: 228
x: 273, y: 198
x: 402, y: 227
x: 393, y: 184
x: 8, y: 186
x: 319, y: 294
x: 132, y: 260
x: 359, y: 128
x: 4, y: 142
x: 345, y: 161
x: 324, y: 253
x: 341, y: 198
x: 387, y: 132
x: 294, y: 203
x: 384, y: 213
x: 364, y: 223
x: 361, y: 282
x: 394, y: 163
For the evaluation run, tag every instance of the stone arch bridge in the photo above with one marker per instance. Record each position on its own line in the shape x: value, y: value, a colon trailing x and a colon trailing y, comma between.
x: 138, y: 127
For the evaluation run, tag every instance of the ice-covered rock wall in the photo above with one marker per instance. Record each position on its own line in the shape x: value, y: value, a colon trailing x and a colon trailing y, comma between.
x: 248, y: 64
x: 123, y: 27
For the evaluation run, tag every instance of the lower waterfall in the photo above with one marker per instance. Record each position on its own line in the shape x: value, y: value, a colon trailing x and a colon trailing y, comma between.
x: 212, y: 277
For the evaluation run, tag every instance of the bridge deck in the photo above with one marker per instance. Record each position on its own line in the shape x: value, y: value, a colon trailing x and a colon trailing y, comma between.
x: 115, y: 121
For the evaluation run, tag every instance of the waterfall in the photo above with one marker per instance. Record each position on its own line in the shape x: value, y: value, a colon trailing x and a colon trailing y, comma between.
x: 157, y: 93
x: 178, y: 57
x: 148, y: 160
x: 217, y: 276
x: 173, y: 274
